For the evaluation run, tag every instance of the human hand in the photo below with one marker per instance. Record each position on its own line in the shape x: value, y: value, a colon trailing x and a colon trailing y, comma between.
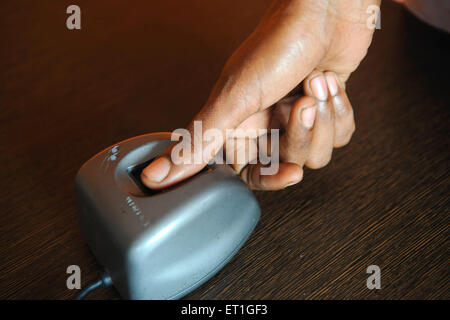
x: 295, y: 42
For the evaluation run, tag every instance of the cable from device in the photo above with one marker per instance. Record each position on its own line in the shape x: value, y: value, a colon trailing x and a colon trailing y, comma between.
x: 104, y: 280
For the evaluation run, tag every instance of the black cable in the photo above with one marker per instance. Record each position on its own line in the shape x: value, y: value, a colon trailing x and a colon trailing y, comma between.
x: 103, y: 280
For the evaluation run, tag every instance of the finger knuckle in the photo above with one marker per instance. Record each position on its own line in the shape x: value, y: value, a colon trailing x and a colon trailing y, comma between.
x: 318, y: 162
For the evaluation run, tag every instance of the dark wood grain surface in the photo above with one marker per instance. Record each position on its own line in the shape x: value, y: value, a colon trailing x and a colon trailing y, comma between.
x: 149, y: 66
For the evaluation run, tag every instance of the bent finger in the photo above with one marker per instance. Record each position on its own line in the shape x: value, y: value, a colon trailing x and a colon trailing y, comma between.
x: 344, y: 122
x: 295, y: 142
x: 321, y: 147
x: 287, y: 175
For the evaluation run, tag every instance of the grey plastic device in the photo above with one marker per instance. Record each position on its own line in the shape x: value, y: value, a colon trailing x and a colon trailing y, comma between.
x: 160, y: 245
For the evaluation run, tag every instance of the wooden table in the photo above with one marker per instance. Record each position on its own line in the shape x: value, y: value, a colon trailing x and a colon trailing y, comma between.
x: 132, y: 69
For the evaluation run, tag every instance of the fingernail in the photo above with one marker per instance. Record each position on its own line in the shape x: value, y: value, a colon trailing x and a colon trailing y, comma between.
x: 332, y: 84
x: 308, y: 116
x: 319, y: 88
x: 157, y: 170
x: 291, y: 184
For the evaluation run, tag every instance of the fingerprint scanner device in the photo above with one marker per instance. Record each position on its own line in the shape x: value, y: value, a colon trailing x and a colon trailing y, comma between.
x: 160, y: 244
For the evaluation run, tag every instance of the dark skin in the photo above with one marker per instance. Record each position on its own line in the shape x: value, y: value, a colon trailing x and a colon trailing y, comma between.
x: 314, y: 44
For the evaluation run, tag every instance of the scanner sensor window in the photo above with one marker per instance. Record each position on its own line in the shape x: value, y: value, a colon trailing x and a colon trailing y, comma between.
x: 136, y: 171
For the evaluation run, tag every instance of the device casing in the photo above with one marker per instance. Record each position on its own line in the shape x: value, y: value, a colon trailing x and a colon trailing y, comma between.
x: 166, y: 244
